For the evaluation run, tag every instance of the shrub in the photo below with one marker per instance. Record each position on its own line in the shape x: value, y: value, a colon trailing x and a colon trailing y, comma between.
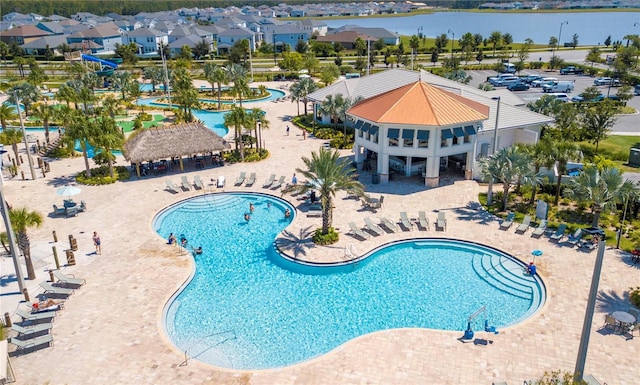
x: 61, y: 152
x: 100, y: 176
x: 325, y: 239
x: 634, y: 296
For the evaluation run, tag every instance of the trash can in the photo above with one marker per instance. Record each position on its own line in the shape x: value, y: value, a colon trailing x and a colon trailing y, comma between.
x: 375, y: 178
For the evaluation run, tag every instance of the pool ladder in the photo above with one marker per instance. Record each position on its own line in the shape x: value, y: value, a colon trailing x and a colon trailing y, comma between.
x: 232, y: 336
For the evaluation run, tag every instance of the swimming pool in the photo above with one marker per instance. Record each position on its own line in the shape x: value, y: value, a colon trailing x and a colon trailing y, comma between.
x: 246, y: 307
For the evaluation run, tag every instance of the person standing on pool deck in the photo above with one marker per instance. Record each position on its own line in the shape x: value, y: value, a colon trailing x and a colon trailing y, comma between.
x: 97, y: 243
x: 287, y: 130
x: 294, y: 180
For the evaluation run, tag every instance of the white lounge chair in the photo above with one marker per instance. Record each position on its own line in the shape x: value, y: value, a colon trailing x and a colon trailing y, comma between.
x: 68, y: 280
x: 388, y: 224
x: 423, y: 220
x: 524, y: 226
x: 185, y: 183
x: 197, y: 182
x: 251, y: 180
x: 241, y: 178
x: 356, y: 231
x: 171, y: 187
x: 269, y: 181
x: 33, y: 329
x: 508, y: 222
x: 53, y: 290
x: 441, y: 223
x: 539, y: 231
x: 278, y: 184
x: 404, y: 219
x: 32, y: 343
x: 26, y: 316
x: 369, y: 225
x: 221, y: 181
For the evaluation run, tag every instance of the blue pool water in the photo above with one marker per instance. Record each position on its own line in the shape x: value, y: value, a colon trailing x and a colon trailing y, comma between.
x: 248, y: 308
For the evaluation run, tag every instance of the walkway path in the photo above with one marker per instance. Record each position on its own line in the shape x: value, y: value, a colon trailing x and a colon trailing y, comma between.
x: 111, y: 329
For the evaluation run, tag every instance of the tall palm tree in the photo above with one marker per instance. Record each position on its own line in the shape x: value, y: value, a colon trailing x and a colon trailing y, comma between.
x: 27, y: 93
x: 237, y: 74
x: 7, y: 112
x: 82, y: 130
x: 155, y: 74
x: 110, y: 105
x: 45, y: 112
x: 67, y: 94
x: 348, y: 103
x: 258, y: 117
x: 186, y: 95
x: 563, y: 151
x: 216, y: 76
x: 238, y: 118
x: 327, y: 173
x: 508, y: 166
x: 541, y: 157
x: 302, y: 89
x: 121, y: 80
x: 12, y: 137
x: 21, y: 220
x: 108, y: 137
x: 602, y: 188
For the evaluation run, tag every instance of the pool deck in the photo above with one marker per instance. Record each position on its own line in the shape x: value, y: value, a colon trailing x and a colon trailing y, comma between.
x: 110, y: 330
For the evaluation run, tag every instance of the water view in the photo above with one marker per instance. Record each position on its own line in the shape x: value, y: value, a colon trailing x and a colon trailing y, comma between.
x: 591, y: 27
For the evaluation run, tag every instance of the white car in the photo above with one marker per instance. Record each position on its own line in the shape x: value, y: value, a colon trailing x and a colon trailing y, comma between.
x: 540, y: 82
x: 606, y: 82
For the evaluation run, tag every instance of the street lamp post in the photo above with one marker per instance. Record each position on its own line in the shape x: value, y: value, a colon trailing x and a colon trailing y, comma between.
x: 166, y: 73
x: 24, y: 136
x: 13, y: 248
x: 420, y: 32
x: 493, y: 148
x: 453, y: 39
x: 560, y: 34
x: 250, y: 60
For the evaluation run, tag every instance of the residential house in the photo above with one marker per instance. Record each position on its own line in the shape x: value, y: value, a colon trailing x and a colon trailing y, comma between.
x: 191, y: 41
x: 228, y: 37
x: 287, y: 34
x: 390, y: 38
x: 22, y: 34
x: 105, y: 37
x: 147, y: 39
x: 40, y: 45
x: 313, y: 27
x: 346, y: 38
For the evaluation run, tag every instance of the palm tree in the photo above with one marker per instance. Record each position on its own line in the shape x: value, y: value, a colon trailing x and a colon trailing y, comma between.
x: 27, y: 93
x: 80, y: 129
x: 154, y: 74
x: 12, y: 137
x: 546, y: 105
x: 67, y: 94
x: 215, y: 75
x: 541, y: 157
x: 238, y: 75
x: 494, y: 39
x: 563, y: 151
x: 45, y: 112
x: 21, y: 220
x: 186, y: 95
x: 332, y: 105
x: 602, y: 188
x: 110, y: 105
x: 509, y: 165
x: 328, y: 174
x: 302, y: 89
x: 121, y: 80
x: 7, y: 112
x: 108, y: 137
x: 258, y: 117
x: 238, y: 118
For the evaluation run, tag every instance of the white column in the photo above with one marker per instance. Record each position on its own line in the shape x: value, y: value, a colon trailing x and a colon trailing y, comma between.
x: 407, y: 169
x: 432, y: 178
x: 383, y: 167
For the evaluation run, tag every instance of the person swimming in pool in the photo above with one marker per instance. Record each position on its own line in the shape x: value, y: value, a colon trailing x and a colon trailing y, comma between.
x: 197, y: 251
x: 251, y: 207
x: 172, y: 239
x: 183, y: 241
x: 287, y: 213
x: 247, y: 217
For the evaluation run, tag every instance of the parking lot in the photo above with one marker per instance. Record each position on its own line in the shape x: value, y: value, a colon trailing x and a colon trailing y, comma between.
x: 625, y: 125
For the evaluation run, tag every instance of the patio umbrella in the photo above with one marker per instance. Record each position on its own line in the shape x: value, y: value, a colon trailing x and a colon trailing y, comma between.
x: 68, y: 191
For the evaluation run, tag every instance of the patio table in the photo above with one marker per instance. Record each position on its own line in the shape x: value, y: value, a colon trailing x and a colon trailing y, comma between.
x: 623, y: 317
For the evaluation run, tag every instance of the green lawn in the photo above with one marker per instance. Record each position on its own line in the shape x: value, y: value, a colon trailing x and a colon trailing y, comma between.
x: 127, y: 126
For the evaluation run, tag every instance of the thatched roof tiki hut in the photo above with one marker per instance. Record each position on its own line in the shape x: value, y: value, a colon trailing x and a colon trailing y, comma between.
x: 176, y: 141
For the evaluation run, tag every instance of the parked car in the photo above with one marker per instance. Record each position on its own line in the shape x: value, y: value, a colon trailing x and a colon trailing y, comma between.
x: 503, y: 81
x: 528, y: 79
x: 599, y: 98
x: 508, y: 68
x: 636, y: 89
x: 571, y: 70
x: 540, y: 82
x: 519, y: 86
x: 606, y: 82
x: 560, y: 96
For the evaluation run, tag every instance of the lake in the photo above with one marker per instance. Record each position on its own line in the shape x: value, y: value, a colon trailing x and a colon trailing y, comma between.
x: 591, y: 27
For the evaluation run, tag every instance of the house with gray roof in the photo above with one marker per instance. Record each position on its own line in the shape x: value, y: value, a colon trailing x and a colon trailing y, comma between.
x: 55, y: 17
x: 40, y: 45
x: 191, y: 41
x: 228, y: 37
x: 105, y: 36
x: 390, y: 38
x: 147, y: 39
x: 52, y: 27
x: 313, y: 26
x: 286, y: 34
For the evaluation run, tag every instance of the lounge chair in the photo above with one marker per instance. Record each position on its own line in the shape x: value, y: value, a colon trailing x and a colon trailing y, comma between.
x: 507, y: 222
x: 68, y: 280
x: 220, y: 181
x: 542, y: 227
x: 575, y: 237
x: 241, y: 178
x: 388, y: 224
x: 55, y: 291
x: 423, y: 221
x: 590, y: 379
x: 197, y: 182
x: 35, y: 316
x: 186, y: 186
x: 171, y: 187
x: 441, y: 223
x: 33, y: 329
x: 406, y: 223
x: 524, y: 226
x: 278, y: 184
x: 557, y: 236
x: 269, y: 181
x: 83, y: 206
x: 71, y: 211
x: 32, y: 343
x: 369, y: 225
x: 356, y: 231
x: 59, y: 210
x: 251, y: 180
x: 587, y: 245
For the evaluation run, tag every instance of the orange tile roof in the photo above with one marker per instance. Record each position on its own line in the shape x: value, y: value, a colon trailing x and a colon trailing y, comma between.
x: 420, y: 104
